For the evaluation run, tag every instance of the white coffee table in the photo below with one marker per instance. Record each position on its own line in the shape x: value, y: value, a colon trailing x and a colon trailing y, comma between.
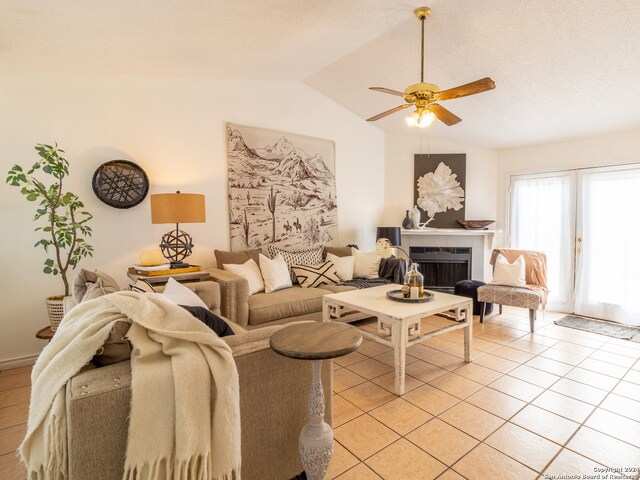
x: 399, y: 324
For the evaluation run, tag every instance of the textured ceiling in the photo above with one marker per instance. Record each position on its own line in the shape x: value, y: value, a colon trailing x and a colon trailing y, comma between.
x: 563, y: 69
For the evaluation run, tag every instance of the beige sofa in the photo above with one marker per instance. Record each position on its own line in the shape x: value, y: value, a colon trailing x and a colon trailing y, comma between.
x: 273, y: 407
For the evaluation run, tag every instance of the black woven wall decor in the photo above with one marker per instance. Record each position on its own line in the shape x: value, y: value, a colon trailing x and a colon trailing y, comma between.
x: 120, y: 183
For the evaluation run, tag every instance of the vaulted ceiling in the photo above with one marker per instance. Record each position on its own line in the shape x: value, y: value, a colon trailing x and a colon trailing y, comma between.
x: 563, y: 69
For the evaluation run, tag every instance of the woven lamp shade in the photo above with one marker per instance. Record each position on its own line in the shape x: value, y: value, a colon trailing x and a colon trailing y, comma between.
x: 177, y: 208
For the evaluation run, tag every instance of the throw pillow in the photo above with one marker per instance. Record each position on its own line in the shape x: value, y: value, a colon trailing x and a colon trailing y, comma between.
x: 211, y: 320
x: 275, y: 273
x: 338, y: 251
x: 510, y: 274
x: 236, y: 258
x: 85, y: 288
x: 251, y: 272
x: 311, y: 276
x: 344, y: 266
x: 142, y: 286
x: 366, y: 264
x: 312, y: 256
x: 182, y: 295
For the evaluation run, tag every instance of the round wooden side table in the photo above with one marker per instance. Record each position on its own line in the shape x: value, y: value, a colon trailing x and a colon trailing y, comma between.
x: 45, y: 333
x: 316, y: 341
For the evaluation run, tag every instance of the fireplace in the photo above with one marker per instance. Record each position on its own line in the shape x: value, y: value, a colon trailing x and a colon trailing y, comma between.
x: 442, y: 267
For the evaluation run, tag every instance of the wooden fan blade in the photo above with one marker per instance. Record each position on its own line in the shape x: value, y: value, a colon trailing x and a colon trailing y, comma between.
x: 388, y: 90
x: 444, y: 115
x: 472, y: 88
x: 388, y: 112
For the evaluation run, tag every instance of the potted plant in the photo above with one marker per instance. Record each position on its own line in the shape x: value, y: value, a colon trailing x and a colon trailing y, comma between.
x: 64, y: 220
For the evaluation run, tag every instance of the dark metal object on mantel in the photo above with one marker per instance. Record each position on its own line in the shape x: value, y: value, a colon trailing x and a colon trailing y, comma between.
x: 475, y: 224
x: 120, y: 183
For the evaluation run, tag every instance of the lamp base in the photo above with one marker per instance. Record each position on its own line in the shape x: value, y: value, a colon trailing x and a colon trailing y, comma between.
x: 179, y: 265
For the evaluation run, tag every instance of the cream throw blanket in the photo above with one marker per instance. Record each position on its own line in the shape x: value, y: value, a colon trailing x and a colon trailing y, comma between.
x: 185, y: 415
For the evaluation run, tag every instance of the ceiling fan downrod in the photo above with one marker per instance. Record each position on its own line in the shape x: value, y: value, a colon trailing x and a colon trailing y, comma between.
x: 422, y: 13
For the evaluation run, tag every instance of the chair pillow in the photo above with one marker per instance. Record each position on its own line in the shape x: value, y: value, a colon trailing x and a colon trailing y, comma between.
x: 181, y: 295
x: 311, y: 276
x: 88, y: 285
x: 344, y: 266
x: 312, y: 256
x: 509, y: 274
x: 366, y: 264
x: 275, y: 273
x: 251, y: 272
x: 142, y: 286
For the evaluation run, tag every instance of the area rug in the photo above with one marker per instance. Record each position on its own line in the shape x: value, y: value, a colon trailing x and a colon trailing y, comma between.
x: 602, y: 327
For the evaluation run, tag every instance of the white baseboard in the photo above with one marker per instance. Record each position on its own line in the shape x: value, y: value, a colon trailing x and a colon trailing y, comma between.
x: 18, y: 362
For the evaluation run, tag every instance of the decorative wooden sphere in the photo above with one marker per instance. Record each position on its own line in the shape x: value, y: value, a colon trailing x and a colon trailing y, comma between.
x: 176, y: 245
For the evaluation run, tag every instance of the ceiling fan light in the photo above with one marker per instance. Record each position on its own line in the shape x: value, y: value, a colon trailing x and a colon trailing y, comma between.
x: 413, y: 119
x: 425, y: 119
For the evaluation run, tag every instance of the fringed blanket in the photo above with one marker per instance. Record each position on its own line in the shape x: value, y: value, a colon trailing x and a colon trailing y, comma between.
x: 185, y: 416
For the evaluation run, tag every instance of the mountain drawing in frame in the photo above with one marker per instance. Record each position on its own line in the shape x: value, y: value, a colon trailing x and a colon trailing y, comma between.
x: 439, y: 188
x: 282, y: 189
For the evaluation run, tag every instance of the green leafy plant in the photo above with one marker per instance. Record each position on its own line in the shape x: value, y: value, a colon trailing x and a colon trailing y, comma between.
x: 65, y: 221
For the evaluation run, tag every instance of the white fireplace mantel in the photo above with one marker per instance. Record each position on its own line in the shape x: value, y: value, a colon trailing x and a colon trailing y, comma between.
x: 448, y: 231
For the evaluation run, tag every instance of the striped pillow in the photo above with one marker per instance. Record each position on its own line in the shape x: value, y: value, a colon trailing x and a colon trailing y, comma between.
x: 311, y: 276
x: 312, y: 256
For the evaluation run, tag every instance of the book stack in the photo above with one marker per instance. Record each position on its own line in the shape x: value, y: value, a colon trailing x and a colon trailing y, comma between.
x: 158, y: 270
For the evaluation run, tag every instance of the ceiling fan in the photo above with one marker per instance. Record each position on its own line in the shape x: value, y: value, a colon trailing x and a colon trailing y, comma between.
x: 424, y: 95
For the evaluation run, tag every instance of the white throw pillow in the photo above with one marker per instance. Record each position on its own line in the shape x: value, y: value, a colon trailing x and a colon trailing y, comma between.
x: 181, y: 295
x: 510, y: 274
x: 251, y: 272
x: 366, y: 264
x: 275, y: 273
x: 344, y: 266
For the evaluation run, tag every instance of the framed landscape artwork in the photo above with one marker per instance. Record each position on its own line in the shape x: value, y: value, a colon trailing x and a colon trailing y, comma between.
x: 439, y: 188
x: 282, y: 189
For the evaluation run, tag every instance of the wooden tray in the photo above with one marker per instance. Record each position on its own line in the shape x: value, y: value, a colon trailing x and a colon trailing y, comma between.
x: 397, y: 296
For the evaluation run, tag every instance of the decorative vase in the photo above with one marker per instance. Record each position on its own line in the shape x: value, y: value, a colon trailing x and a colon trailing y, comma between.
x: 55, y: 309
x: 406, y: 223
x: 413, y: 282
x: 415, y: 217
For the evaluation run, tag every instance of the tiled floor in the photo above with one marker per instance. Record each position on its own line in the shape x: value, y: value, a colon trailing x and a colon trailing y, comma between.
x: 559, y: 401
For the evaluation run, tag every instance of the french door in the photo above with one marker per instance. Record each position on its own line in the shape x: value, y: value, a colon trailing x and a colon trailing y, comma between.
x: 588, y: 223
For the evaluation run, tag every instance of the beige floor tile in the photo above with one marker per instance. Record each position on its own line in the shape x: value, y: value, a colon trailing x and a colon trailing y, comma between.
x: 8, y: 382
x: 540, y: 339
x: 569, y: 463
x: 389, y: 358
x: 421, y: 351
x: 367, y: 396
x: 496, y: 337
x: 615, y: 425
x: 10, y: 438
x: 350, y: 359
x: 484, y: 463
x: 605, y: 368
x: 404, y: 461
x: 369, y: 368
x: 458, y: 352
x: 550, y: 366
x: 477, y: 373
x: 400, y: 415
x: 335, y: 366
x: 441, y: 440
x: 604, y: 449
x: 456, y: 385
x: 526, y: 447
x: 14, y: 396
x: 613, y: 358
x: 535, y: 376
x: 344, y: 379
x: 564, y: 406
x: 451, y: 475
x: 430, y: 399
x: 546, y: 424
x: 341, y: 461
x: 515, y: 387
x: 627, y: 389
x: 528, y: 346
x: 364, y: 436
x: 14, y: 415
x: 484, y: 345
x: 496, y: 363
x: 445, y: 360
x: 359, y: 472
x: 627, y: 350
x: 498, y: 403
x: 343, y: 411
x: 513, y: 354
x: 10, y: 468
x: 633, y: 376
x: 593, y: 379
x: 424, y: 371
x: 371, y: 348
x: 472, y: 420
x: 562, y: 356
x: 437, y: 343
x: 574, y: 348
x: 624, y: 406
x: 579, y: 391
x: 388, y: 382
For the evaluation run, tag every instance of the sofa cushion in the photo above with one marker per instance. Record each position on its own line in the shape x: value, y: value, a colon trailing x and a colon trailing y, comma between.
x: 337, y: 251
x: 311, y: 256
x: 337, y: 288
x: 289, y: 302
x: 235, y: 258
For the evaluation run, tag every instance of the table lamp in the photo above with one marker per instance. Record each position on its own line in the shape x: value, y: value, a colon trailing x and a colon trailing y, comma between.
x: 177, y: 208
x: 388, y: 238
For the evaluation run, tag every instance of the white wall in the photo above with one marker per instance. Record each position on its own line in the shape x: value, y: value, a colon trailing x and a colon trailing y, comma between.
x: 174, y: 128
x: 608, y: 149
x: 481, y: 181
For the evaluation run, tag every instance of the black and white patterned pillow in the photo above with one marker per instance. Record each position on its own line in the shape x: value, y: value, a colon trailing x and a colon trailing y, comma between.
x: 311, y: 276
x: 142, y: 286
x: 312, y: 256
